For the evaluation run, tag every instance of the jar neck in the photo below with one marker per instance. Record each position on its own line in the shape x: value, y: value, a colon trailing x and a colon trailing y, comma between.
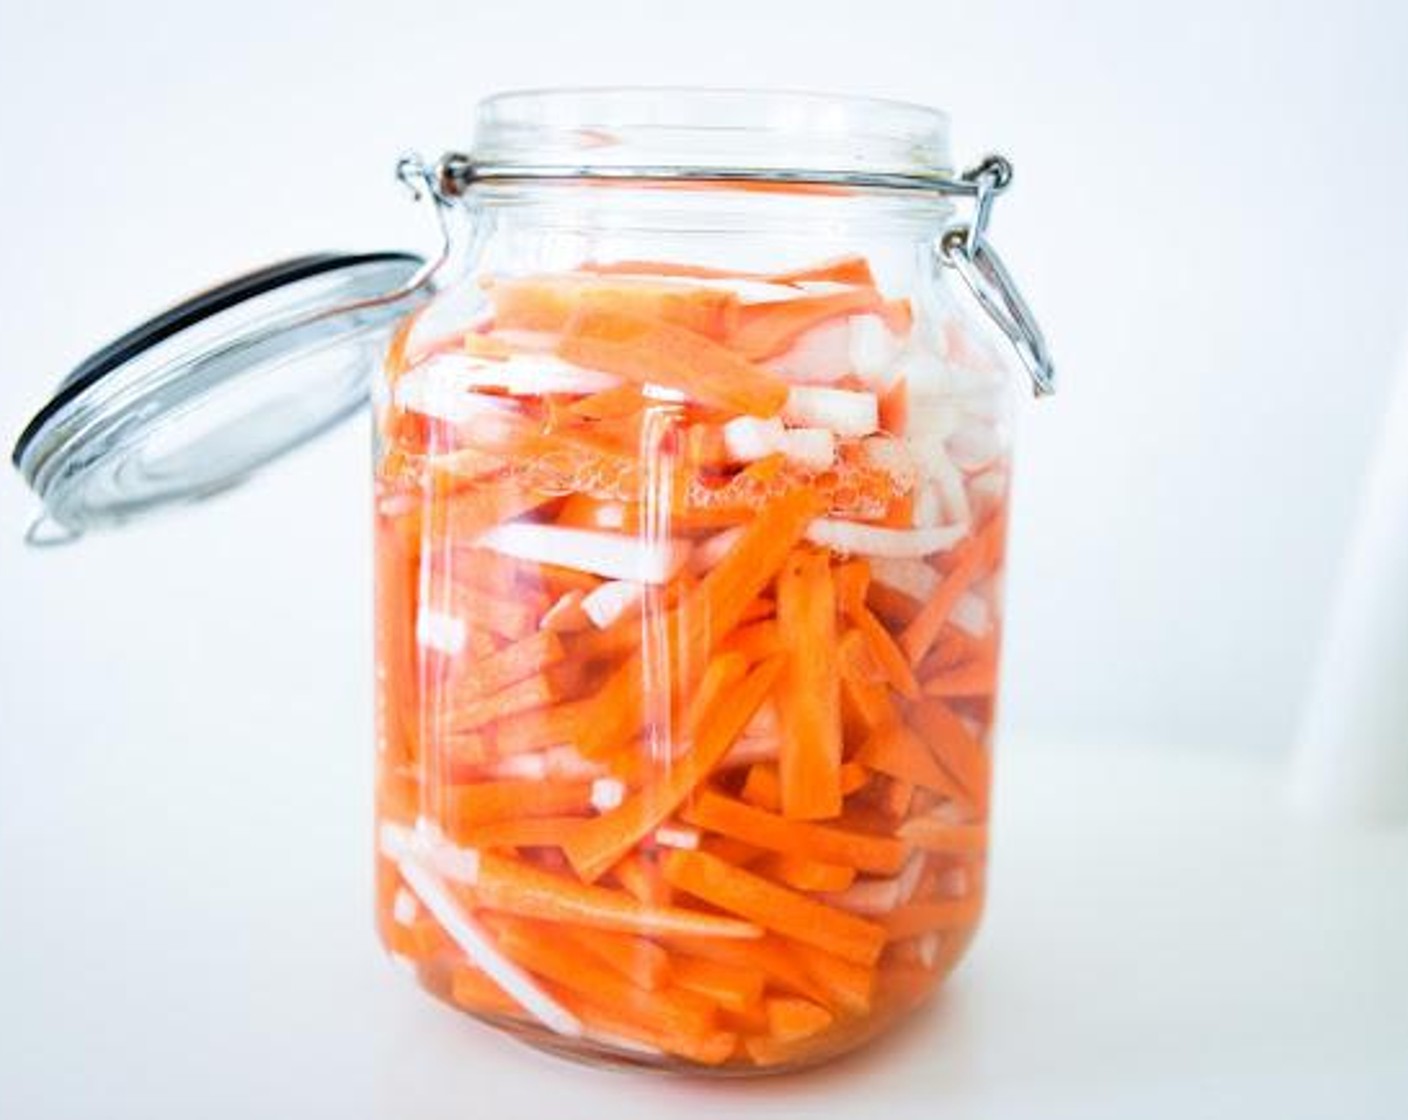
x: 553, y: 226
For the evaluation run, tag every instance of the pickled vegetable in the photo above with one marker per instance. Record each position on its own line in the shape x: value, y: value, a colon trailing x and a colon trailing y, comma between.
x: 687, y: 635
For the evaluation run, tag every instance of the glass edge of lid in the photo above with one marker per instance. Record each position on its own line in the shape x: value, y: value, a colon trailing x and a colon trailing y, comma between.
x: 214, y: 345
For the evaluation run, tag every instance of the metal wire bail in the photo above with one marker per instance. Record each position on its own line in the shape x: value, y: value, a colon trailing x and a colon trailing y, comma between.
x: 965, y: 248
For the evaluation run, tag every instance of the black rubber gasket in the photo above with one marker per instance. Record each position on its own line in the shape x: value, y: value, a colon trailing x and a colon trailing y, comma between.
x: 186, y: 314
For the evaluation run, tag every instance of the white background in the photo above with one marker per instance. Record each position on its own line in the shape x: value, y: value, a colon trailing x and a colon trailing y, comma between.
x: 1209, y: 220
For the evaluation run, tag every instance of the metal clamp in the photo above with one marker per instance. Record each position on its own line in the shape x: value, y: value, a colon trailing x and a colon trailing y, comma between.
x: 965, y: 248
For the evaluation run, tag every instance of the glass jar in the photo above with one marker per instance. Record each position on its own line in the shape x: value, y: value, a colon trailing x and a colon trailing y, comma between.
x: 691, y: 499
x: 691, y: 488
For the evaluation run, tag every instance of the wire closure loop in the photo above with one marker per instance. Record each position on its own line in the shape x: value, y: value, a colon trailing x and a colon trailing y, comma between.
x: 963, y: 247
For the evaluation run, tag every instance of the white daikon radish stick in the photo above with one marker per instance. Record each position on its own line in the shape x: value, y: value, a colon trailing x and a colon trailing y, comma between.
x: 971, y: 614
x: 880, y: 896
x: 531, y: 766
x: 844, y: 411
x: 677, y: 836
x: 913, y: 577
x: 431, y: 391
x: 521, y: 375
x: 477, y: 945
x: 613, y: 555
x: 813, y: 448
x: 404, y: 907
x: 710, y: 552
x: 873, y: 349
x: 439, y: 631
x: 975, y: 446
x: 748, y: 438
x: 948, y: 481
x: 858, y: 539
x: 568, y: 763
x: 607, y: 794
x: 459, y: 865
x: 822, y: 355
x: 612, y: 601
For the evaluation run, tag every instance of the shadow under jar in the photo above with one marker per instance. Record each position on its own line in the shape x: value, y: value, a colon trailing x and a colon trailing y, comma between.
x: 691, y: 491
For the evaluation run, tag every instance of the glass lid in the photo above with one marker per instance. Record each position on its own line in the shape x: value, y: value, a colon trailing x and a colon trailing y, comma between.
x: 195, y: 399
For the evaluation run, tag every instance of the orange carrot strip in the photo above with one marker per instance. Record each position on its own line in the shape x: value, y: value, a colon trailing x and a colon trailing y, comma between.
x: 769, y: 954
x: 515, y: 887
x: 892, y: 605
x: 467, y: 513
x: 522, y: 832
x: 790, y: 1020
x: 597, y: 844
x: 563, y: 961
x: 473, y: 991
x: 711, y: 1049
x: 853, y: 777
x: 720, y: 676
x: 469, y: 806
x: 648, y: 350
x: 737, y: 852
x: 809, y: 697
x: 503, y: 613
x: 954, y: 747
x: 885, y: 650
x: 842, y: 270
x: 536, y: 691
x: 765, y: 330
x: 848, y: 986
x: 610, y: 404
x: 976, y: 554
x: 882, y: 855
x: 640, y: 961
x: 741, y: 892
x: 977, y: 678
x: 803, y: 874
x: 895, y: 750
x: 869, y: 699
x: 918, y: 918
x: 756, y: 641
x: 762, y: 788
x: 935, y: 835
x: 641, y: 880
x: 539, y: 728
x: 513, y: 663
x: 722, y: 598
x: 555, y: 303
x: 732, y: 987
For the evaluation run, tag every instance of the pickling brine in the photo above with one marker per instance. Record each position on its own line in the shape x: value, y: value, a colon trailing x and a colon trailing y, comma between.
x: 688, y: 626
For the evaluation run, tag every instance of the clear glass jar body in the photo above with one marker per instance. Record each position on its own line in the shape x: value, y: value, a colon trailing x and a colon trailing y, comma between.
x: 690, y: 510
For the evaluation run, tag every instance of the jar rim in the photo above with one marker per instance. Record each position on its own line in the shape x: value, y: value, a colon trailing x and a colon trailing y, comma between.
x: 697, y: 129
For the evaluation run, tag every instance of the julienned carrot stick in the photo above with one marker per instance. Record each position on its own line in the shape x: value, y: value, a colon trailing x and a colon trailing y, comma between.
x: 883, y: 648
x: 849, y: 986
x: 975, y: 678
x: 470, y: 511
x: 791, y: 1020
x: 474, y: 991
x: 513, y: 663
x: 774, y: 907
x: 765, y: 330
x: 500, y: 613
x: 720, y: 676
x: 936, y: 835
x: 716, y: 608
x: 919, y: 918
x: 769, y: 954
x: 869, y: 699
x: 597, y: 844
x: 567, y: 964
x: 895, y: 750
x: 553, y: 303
x: 641, y: 880
x: 882, y: 855
x: 842, y: 270
x: 654, y: 351
x: 536, y: 691
x: 809, y: 698
x: 516, y: 887
x: 733, y: 987
x: 977, y: 554
x: 762, y: 788
x: 623, y: 1030
x: 539, y: 728
x: 642, y: 962
x: 955, y: 748
x: 803, y: 874
x: 518, y: 832
x: 469, y: 806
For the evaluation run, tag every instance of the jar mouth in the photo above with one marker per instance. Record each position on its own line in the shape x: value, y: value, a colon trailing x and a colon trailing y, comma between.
x: 696, y: 130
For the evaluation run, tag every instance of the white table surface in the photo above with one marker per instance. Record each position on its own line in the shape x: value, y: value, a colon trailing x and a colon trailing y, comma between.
x: 1163, y: 940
